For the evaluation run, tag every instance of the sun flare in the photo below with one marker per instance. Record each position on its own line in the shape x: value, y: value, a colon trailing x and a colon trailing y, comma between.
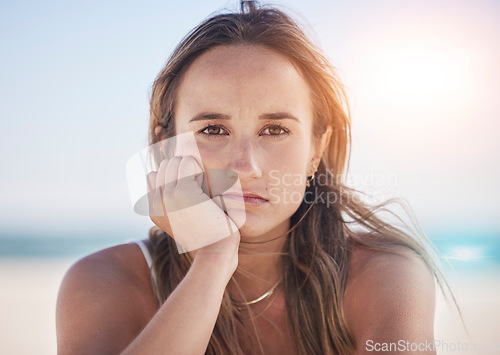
x: 416, y: 74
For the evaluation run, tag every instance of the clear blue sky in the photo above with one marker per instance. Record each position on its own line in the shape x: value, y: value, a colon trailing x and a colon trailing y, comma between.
x: 423, y: 79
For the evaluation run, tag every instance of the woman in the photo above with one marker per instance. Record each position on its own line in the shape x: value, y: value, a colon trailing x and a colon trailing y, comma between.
x: 318, y: 274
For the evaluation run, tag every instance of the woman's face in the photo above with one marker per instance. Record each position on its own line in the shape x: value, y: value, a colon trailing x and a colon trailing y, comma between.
x: 251, y: 113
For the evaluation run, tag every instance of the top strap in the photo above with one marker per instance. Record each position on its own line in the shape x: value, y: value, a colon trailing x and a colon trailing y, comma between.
x: 149, y: 260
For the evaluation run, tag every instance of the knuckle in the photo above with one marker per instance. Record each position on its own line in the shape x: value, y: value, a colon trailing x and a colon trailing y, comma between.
x: 163, y: 164
x: 151, y: 175
x: 175, y: 159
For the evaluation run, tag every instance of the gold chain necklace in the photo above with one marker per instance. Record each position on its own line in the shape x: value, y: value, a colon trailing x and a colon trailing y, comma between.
x: 241, y: 305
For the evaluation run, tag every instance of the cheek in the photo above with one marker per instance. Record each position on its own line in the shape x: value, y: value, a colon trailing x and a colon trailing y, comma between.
x: 212, y: 155
x: 287, y: 180
x: 287, y: 176
x: 289, y: 159
x: 286, y: 187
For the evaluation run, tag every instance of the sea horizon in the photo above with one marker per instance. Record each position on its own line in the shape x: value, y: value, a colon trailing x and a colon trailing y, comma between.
x: 463, y: 251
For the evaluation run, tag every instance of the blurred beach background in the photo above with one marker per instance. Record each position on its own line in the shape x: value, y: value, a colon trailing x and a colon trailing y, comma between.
x: 423, y: 81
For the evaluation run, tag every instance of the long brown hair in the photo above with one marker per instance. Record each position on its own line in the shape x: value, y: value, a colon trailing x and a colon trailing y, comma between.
x: 317, y: 249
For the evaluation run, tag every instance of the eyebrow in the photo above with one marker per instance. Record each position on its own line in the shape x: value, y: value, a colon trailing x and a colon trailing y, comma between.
x: 209, y: 116
x: 266, y: 116
x: 278, y: 116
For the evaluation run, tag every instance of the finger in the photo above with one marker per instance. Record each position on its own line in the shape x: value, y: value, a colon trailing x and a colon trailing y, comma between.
x: 154, y: 210
x: 188, y: 168
x: 160, y: 187
x: 172, y: 171
x: 151, y: 181
x: 160, y: 177
x: 199, y: 173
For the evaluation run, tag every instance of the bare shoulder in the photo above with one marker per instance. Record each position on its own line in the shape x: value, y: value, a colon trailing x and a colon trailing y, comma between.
x: 104, y: 301
x: 389, y: 297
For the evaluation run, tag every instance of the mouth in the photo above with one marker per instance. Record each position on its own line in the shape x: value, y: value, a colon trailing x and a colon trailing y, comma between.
x: 247, y: 198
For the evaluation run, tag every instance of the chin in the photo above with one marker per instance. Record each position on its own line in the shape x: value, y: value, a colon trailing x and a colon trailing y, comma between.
x: 253, y: 228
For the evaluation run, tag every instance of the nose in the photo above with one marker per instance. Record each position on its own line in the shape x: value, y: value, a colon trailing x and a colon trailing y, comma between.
x: 244, y: 160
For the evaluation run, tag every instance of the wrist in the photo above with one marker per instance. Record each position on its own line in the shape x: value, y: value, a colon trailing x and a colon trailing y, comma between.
x: 217, y: 265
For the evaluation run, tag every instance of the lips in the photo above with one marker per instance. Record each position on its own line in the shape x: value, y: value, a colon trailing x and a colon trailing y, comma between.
x: 245, y: 197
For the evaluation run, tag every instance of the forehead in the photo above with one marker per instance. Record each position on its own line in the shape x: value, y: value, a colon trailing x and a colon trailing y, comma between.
x: 240, y: 76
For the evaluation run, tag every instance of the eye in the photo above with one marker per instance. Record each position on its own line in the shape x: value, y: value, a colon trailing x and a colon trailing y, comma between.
x: 213, y: 130
x: 275, y: 130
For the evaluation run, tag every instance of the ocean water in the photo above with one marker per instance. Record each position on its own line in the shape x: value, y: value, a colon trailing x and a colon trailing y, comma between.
x: 476, y: 249
x: 38, y: 247
x: 468, y: 252
x: 458, y: 252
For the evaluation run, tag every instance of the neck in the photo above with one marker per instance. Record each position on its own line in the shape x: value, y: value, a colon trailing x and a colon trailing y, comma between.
x: 259, y: 265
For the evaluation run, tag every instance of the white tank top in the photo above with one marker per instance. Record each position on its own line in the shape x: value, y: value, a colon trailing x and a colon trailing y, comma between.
x: 149, y: 260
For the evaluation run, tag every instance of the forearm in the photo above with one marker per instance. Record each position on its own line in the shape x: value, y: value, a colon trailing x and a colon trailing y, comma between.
x: 185, y: 322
